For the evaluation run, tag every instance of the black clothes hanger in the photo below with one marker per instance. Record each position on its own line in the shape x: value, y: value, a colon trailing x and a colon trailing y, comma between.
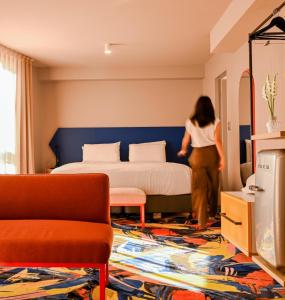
x: 279, y: 22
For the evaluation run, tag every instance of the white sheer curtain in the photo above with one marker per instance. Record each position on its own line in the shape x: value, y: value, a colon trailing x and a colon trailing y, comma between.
x: 16, y: 136
x: 7, y: 114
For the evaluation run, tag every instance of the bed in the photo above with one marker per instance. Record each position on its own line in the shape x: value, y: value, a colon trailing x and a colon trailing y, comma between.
x: 153, y: 178
x: 167, y: 184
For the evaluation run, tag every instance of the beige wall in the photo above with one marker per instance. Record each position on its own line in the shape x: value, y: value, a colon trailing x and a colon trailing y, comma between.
x: 90, y: 103
x: 269, y: 60
x: 217, y: 65
x: 266, y: 60
x: 157, y: 102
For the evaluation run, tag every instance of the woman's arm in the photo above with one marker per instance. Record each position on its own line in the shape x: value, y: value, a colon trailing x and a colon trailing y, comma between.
x: 185, y: 144
x: 218, y: 141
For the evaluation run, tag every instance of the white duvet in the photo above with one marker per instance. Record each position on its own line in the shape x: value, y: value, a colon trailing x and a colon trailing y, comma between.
x: 153, y: 178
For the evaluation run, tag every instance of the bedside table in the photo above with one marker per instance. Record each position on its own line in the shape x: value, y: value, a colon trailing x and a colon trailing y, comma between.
x: 237, y: 220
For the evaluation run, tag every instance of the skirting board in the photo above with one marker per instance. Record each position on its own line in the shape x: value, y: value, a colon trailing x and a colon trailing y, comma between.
x: 276, y: 274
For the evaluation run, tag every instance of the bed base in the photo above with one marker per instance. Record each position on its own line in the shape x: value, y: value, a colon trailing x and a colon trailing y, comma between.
x: 161, y: 204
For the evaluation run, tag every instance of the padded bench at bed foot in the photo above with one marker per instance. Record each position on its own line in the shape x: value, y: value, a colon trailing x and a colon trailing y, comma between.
x: 127, y: 196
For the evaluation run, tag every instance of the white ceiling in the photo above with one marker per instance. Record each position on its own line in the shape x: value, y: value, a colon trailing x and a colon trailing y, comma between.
x: 73, y: 32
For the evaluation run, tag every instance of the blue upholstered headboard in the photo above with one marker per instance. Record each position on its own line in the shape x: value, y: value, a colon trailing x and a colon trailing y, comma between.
x: 67, y: 142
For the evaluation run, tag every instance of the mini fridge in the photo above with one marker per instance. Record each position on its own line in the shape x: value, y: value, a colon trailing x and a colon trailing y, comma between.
x: 270, y: 207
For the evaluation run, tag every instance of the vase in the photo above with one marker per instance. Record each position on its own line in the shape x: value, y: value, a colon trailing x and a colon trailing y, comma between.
x: 272, y: 125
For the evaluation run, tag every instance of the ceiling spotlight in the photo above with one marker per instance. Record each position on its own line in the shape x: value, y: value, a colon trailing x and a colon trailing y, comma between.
x: 108, y: 49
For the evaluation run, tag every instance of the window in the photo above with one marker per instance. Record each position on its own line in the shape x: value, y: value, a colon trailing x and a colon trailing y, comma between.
x: 7, y: 121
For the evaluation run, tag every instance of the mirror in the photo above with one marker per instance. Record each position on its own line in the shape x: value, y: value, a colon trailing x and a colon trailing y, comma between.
x: 245, y: 127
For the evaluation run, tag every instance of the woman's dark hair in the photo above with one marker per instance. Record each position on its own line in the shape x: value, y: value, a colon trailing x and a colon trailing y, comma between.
x: 204, y: 113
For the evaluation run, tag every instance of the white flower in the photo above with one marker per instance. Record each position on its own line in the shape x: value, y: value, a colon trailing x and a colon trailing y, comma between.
x: 274, y: 87
x: 269, y: 93
x: 264, y: 95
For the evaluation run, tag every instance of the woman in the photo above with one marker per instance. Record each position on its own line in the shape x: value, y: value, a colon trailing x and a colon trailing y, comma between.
x: 203, y: 129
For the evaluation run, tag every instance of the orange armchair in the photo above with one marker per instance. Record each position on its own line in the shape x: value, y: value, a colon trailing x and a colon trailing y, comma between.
x: 56, y: 220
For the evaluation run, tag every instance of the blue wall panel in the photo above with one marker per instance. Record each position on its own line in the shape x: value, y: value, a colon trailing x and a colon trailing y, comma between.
x: 67, y: 142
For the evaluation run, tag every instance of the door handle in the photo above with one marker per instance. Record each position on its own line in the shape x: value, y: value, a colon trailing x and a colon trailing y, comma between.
x: 231, y: 220
x: 256, y: 188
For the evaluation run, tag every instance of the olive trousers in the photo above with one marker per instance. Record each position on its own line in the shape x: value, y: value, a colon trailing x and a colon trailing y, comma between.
x: 204, y: 162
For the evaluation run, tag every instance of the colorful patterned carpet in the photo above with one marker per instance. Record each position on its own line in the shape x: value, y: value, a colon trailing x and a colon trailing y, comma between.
x: 169, y: 260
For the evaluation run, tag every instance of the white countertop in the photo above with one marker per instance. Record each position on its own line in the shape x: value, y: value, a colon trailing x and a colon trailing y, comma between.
x: 241, y: 195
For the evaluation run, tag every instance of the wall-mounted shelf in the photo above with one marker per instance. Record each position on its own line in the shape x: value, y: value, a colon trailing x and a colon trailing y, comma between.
x: 267, y: 136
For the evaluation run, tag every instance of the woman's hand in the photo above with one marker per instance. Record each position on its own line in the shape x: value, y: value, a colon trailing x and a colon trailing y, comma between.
x: 182, y: 153
x: 185, y: 143
x: 222, y: 164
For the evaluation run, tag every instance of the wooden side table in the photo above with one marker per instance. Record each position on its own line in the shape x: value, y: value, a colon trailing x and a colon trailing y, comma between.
x: 237, y: 220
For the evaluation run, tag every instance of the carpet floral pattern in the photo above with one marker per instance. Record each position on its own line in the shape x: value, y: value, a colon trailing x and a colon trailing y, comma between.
x: 166, y: 260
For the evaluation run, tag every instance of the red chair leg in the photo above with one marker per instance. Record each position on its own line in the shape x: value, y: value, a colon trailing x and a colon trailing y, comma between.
x: 102, y: 281
x: 107, y: 273
x: 142, y: 215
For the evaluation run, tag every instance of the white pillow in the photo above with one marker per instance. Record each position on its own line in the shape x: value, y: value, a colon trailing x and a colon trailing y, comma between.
x: 101, y: 152
x: 147, y: 152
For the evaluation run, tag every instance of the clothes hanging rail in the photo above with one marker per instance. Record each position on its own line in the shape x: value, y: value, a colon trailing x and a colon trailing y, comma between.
x: 261, y: 32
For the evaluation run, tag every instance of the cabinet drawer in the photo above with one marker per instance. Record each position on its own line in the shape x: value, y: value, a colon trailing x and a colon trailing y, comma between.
x: 236, y: 222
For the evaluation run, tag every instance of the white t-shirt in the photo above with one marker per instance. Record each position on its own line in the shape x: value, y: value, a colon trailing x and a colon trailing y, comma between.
x: 201, y: 136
